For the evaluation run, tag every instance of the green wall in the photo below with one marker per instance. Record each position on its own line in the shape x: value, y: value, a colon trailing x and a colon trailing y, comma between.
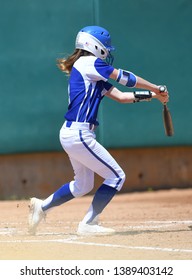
x: 153, y: 39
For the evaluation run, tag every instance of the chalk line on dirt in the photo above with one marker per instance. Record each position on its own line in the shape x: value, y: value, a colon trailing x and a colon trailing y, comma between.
x: 74, y: 240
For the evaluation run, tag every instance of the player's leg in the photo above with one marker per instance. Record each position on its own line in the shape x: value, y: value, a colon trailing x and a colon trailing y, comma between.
x: 82, y: 184
x: 83, y: 181
x: 90, y: 223
x: 100, y: 161
x: 38, y: 207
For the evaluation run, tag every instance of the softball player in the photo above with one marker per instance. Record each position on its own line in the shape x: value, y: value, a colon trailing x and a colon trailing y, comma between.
x: 90, y: 68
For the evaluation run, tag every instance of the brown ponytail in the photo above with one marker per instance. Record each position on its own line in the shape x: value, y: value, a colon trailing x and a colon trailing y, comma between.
x: 66, y: 64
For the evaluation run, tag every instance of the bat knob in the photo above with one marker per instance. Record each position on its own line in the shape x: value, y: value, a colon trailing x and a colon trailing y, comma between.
x: 162, y: 88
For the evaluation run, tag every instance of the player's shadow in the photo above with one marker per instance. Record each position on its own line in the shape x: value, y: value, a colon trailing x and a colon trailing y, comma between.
x: 137, y: 232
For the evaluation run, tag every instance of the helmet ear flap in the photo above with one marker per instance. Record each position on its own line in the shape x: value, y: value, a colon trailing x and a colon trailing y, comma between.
x: 102, y: 51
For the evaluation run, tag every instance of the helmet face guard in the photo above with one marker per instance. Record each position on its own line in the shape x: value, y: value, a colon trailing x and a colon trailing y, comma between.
x: 97, y: 41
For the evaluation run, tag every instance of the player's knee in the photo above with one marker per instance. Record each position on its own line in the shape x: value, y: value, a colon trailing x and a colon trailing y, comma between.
x: 116, y: 180
x: 121, y: 180
x: 82, y: 188
x: 83, y: 191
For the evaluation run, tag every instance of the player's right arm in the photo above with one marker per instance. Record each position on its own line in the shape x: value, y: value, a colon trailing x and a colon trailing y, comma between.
x: 130, y: 97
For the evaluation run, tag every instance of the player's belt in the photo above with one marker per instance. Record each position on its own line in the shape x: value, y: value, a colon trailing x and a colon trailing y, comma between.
x: 80, y: 125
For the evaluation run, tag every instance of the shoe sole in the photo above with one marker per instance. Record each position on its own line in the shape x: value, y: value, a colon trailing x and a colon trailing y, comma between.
x: 95, y: 233
x: 87, y: 232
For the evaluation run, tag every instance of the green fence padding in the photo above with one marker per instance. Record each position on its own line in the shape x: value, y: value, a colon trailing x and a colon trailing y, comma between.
x: 153, y: 39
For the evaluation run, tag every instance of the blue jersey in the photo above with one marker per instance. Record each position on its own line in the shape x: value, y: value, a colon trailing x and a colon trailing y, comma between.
x: 87, y: 86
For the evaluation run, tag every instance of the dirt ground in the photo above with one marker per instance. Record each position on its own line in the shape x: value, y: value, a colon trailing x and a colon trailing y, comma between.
x: 151, y: 225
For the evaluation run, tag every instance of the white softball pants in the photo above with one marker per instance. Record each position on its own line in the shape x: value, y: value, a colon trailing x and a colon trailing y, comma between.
x: 87, y: 157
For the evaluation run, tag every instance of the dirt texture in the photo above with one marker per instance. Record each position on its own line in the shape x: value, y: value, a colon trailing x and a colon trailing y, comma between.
x: 149, y: 225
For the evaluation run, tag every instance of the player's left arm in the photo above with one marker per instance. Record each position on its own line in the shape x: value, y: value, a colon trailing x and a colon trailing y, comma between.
x: 131, y: 80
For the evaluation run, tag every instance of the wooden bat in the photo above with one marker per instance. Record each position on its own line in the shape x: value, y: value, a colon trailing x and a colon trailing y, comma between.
x: 167, y: 120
